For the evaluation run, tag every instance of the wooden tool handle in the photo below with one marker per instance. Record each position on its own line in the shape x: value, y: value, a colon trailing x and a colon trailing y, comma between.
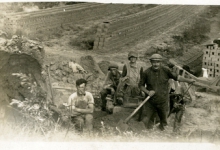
x: 50, y: 85
x: 132, y: 114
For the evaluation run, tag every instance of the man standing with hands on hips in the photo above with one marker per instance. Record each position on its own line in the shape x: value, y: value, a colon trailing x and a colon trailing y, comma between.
x: 156, y: 80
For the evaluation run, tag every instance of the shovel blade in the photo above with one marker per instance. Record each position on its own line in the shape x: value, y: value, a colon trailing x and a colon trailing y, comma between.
x: 122, y: 126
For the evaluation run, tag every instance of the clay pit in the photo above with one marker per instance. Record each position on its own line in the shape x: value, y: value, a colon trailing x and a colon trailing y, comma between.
x: 24, y: 62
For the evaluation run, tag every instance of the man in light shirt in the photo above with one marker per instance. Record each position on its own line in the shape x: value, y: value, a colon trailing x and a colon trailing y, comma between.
x: 82, y: 106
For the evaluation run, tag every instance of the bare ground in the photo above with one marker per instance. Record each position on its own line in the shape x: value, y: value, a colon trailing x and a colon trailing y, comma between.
x: 200, y: 122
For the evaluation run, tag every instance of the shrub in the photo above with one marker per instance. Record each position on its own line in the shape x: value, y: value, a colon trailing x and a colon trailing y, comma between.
x: 85, y: 40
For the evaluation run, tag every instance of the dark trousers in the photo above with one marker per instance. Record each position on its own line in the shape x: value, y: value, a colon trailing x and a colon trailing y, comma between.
x: 151, y: 110
x: 178, y: 117
x: 104, y: 94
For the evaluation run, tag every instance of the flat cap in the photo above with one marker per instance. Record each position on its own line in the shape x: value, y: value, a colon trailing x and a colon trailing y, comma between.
x: 132, y: 54
x: 157, y: 57
x: 112, y: 66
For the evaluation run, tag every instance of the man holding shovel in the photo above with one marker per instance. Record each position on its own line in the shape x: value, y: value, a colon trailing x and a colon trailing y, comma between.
x: 156, y: 79
x: 82, y: 106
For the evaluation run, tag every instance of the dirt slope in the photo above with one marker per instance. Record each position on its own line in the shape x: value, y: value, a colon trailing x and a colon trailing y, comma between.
x: 201, y: 119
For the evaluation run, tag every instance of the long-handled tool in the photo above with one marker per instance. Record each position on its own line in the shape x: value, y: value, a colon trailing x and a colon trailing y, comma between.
x: 122, y: 125
x: 51, y: 90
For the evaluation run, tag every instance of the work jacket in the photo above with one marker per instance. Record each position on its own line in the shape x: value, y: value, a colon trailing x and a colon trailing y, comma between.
x: 132, y: 72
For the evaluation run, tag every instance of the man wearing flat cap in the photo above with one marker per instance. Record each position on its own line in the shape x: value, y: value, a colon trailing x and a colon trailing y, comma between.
x: 110, y: 84
x: 131, y: 75
x: 155, y: 78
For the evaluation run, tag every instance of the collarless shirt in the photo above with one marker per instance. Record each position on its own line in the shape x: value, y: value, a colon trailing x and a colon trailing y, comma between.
x: 81, y: 101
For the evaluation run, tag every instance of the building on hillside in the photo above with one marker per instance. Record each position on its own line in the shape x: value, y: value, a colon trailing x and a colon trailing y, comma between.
x: 211, y: 59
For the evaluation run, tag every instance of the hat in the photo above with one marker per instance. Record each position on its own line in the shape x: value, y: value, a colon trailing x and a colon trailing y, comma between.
x: 113, y: 66
x: 132, y: 54
x: 157, y: 57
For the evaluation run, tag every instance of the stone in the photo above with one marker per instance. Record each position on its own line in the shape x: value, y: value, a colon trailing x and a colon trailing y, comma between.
x: 64, y: 79
x: 64, y: 73
x: 52, y: 62
x: 53, y: 67
x: 58, y: 73
x: 70, y: 80
x: 118, y: 109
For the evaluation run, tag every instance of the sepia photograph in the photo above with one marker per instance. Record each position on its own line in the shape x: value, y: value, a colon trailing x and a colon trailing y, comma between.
x: 114, y: 74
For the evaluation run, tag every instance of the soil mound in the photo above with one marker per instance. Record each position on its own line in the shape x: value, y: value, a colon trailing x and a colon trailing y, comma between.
x: 20, y: 55
x: 64, y: 78
x: 104, y: 66
x: 60, y: 71
x: 90, y: 65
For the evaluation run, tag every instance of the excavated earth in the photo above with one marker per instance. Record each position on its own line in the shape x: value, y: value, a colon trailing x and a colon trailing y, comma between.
x: 19, y: 56
x: 200, y: 122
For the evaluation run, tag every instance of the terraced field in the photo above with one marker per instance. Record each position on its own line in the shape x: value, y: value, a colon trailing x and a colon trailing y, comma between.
x: 116, y: 33
x: 54, y: 18
x: 119, y: 25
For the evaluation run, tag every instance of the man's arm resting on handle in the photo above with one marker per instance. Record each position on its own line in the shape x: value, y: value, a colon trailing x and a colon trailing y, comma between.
x: 150, y: 93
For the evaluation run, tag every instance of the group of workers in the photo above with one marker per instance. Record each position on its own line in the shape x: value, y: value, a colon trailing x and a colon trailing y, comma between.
x: 132, y: 82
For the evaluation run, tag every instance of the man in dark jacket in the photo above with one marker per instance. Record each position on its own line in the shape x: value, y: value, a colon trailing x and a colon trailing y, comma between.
x: 156, y: 79
x: 110, y: 84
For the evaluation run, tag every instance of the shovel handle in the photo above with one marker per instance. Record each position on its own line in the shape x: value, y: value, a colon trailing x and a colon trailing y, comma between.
x: 51, y: 90
x: 132, y: 114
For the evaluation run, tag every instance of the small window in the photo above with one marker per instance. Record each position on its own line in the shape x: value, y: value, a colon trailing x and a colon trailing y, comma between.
x: 217, y: 70
x: 211, y: 64
x: 207, y: 52
x: 210, y: 75
x: 218, y: 54
x: 205, y: 57
x: 217, y: 65
x: 213, y: 53
x: 218, y: 59
x: 205, y: 63
x: 210, y: 69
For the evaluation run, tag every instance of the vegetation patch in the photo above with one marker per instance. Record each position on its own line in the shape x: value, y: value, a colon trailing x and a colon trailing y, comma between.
x: 197, y: 33
x: 86, y: 39
x: 194, y: 34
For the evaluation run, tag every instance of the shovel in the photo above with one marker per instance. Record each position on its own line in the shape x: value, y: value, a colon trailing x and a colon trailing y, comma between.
x: 122, y: 125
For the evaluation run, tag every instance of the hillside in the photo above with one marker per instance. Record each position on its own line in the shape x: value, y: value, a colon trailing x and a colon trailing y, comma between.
x: 95, y: 34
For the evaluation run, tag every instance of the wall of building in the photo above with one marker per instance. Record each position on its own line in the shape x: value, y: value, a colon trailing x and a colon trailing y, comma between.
x: 211, y: 60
